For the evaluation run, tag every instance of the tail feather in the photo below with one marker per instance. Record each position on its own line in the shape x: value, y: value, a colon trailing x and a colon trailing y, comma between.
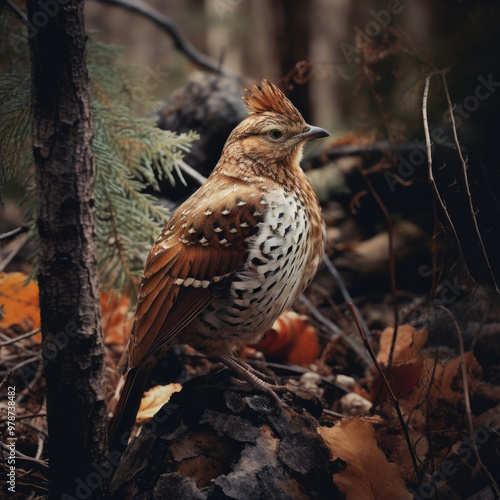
x: 127, y: 408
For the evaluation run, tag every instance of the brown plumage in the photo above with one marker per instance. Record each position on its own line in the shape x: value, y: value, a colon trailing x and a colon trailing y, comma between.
x: 234, y: 255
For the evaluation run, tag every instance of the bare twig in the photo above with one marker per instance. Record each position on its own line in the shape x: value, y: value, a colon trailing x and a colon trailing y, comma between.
x: 378, y: 99
x: 17, y: 11
x: 29, y: 388
x: 26, y: 362
x: 336, y: 332
x: 345, y: 293
x: 466, y: 179
x: 26, y: 417
x: 166, y: 24
x: 21, y: 337
x: 9, y: 235
x: 334, y: 414
x: 39, y: 451
x: 194, y: 174
x: 392, y: 267
x: 431, y: 175
x: 468, y: 412
x: 16, y: 246
x: 392, y: 396
x: 22, y: 456
x: 19, y: 347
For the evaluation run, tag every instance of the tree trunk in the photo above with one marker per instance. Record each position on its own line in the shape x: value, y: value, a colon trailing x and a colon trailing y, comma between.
x: 67, y: 274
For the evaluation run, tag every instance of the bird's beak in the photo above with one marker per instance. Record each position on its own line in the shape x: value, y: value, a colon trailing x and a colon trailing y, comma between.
x: 313, y: 133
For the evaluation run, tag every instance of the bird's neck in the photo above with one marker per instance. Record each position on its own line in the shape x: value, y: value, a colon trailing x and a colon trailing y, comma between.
x: 285, y: 171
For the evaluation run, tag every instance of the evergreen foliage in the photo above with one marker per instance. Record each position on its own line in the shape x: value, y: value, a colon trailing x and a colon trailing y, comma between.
x: 131, y: 155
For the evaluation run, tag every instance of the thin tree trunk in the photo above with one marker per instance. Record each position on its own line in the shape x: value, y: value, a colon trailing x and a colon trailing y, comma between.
x: 67, y: 275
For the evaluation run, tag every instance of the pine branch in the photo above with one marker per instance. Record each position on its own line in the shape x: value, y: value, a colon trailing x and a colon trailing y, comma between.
x: 132, y: 157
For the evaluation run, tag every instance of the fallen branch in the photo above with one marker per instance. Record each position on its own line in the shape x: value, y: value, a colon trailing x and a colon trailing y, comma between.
x: 166, y: 24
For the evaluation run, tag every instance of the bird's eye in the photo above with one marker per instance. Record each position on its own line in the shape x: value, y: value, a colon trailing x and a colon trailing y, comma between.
x: 275, y: 133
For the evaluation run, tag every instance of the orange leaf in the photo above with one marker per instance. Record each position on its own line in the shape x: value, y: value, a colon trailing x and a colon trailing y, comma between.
x: 407, y: 364
x: 21, y: 305
x: 154, y: 399
x: 408, y: 344
x: 448, y: 380
x: 291, y: 338
x: 403, y: 379
x: 116, y: 318
x: 367, y: 474
x: 22, y: 310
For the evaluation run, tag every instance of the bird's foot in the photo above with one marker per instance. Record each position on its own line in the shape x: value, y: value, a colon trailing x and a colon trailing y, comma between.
x: 256, y: 379
x: 257, y: 373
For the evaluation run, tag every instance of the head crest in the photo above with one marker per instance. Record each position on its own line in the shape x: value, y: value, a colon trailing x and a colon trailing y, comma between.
x: 268, y: 97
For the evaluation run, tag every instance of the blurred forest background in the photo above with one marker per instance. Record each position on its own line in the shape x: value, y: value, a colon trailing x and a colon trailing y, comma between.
x: 350, y: 67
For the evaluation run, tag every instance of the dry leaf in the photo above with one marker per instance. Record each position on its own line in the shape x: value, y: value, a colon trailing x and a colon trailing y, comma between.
x: 448, y: 380
x: 291, y: 338
x: 409, y: 342
x: 21, y: 305
x: 403, y: 379
x: 390, y: 437
x: 407, y: 363
x: 22, y: 310
x: 116, y: 318
x: 367, y: 474
x: 154, y: 399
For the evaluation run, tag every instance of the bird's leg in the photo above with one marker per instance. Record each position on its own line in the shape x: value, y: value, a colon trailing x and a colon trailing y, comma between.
x: 252, y: 378
x: 257, y: 373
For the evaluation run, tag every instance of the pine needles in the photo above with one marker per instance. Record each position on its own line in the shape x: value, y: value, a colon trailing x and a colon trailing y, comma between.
x: 131, y: 155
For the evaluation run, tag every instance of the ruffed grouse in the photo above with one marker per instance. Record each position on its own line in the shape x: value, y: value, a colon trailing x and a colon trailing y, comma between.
x: 233, y: 256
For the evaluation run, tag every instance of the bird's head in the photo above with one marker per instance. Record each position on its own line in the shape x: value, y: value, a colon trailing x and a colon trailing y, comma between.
x: 275, y: 132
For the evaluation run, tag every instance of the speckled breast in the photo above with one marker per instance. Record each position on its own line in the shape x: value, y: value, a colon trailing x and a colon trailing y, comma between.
x: 283, y: 258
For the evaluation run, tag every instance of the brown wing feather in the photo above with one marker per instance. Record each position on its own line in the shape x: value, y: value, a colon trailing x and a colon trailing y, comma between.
x: 198, y: 247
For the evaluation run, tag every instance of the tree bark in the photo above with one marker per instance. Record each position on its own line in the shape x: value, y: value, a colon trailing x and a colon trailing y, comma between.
x: 67, y: 274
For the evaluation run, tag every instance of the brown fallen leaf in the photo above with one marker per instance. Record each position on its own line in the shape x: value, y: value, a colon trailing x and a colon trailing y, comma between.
x: 367, y: 474
x: 407, y: 362
x: 154, y: 399
x: 409, y: 342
